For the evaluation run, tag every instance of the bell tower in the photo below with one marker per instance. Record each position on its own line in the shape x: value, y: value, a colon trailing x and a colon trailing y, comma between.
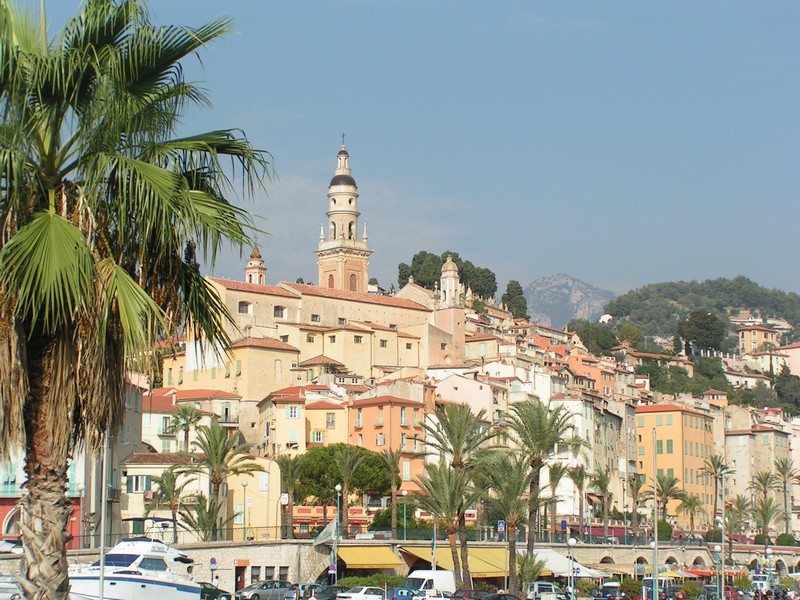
x: 342, y: 258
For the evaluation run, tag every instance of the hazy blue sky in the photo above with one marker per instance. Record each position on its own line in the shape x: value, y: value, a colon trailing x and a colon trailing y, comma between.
x: 622, y: 143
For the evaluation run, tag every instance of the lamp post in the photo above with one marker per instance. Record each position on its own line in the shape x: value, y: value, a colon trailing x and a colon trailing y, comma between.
x: 405, y: 520
x: 655, y: 517
x: 769, y: 567
x: 244, y: 509
x: 719, y: 560
x: 81, y: 490
x: 571, y: 551
x: 334, y: 560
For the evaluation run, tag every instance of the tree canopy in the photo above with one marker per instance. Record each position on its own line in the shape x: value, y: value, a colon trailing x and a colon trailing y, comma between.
x: 702, y: 330
x: 598, y: 338
x: 319, y: 474
x: 515, y: 301
x: 426, y: 268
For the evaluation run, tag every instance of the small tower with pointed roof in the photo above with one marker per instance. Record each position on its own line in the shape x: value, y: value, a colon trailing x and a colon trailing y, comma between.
x: 343, y: 258
x: 256, y: 270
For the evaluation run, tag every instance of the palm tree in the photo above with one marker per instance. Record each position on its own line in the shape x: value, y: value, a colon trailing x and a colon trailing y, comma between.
x: 510, y: 481
x: 577, y: 475
x: 637, y: 485
x: 785, y: 474
x: 391, y: 460
x: 444, y: 493
x: 668, y: 487
x: 220, y: 456
x: 600, y: 480
x: 763, y: 483
x: 290, y: 472
x: 459, y: 437
x: 556, y: 472
x: 168, y: 492
x: 102, y: 210
x: 716, y: 467
x: 530, y: 569
x: 183, y: 419
x: 538, y: 431
x: 765, y: 512
x: 202, y: 517
x: 348, y: 459
x: 692, y: 505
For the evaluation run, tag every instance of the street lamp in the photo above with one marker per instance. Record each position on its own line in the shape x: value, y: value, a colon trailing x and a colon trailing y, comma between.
x: 718, y: 560
x: 334, y: 560
x: 571, y: 551
x: 244, y: 509
x: 405, y: 521
x: 769, y: 568
x: 81, y: 490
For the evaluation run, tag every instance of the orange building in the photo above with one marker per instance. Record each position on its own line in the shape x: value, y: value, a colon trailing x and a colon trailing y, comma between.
x: 391, y: 423
x: 684, y: 440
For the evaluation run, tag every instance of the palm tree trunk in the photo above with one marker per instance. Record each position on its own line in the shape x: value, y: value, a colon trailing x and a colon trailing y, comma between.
x: 174, y: 512
x: 466, y: 576
x: 513, y: 580
x: 186, y: 439
x: 533, y: 500
x: 635, y: 519
x: 716, y: 502
x: 290, y: 519
x: 451, y: 537
x: 394, y: 513
x: 787, y: 516
x: 344, y: 518
x: 553, y: 520
x: 580, y: 515
x: 45, y: 509
x: 605, y: 517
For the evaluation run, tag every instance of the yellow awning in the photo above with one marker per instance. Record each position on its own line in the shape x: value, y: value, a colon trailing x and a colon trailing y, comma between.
x: 483, y: 562
x: 368, y: 557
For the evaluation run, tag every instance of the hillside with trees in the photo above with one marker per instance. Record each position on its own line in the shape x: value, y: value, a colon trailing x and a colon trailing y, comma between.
x: 656, y: 309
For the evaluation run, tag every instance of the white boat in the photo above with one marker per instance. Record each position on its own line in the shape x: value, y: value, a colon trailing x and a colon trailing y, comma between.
x: 9, y: 589
x: 136, y: 568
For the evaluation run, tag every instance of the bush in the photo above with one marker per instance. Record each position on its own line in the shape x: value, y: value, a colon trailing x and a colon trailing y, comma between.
x: 376, y: 579
x: 759, y: 540
x: 713, y: 535
x: 743, y: 582
x: 585, y: 587
x: 631, y: 587
x: 691, y: 590
x: 785, y: 539
x: 664, y: 530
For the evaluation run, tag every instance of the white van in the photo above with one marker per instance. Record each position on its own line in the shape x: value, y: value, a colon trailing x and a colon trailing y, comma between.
x: 431, y: 581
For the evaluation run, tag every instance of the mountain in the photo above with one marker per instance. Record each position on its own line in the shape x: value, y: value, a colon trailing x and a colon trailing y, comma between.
x: 556, y: 299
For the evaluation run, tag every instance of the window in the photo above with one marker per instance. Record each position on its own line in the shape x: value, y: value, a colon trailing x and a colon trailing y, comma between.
x: 238, y: 367
x: 640, y: 421
x: 152, y: 564
x: 359, y: 417
x: 138, y: 483
x: 669, y: 446
x: 245, y: 308
x: 357, y: 339
x: 318, y: 437
x: 360, y: 440
x: 315, y: 319
x: 408, y: 346
x: 330, y: 420
x: 283, y: 573
x: 380, y: 439
x: 443, y: 346
x: 165, y: 446
x: 180, y: 375
x: 341, y: 321
x: 659, y: 420
x: 403, y: 441
x: 269, y: 572
x: 165, y: 425
x: 285, y: 339
x: 406, y: 471
x: 279, y: 312
x: 641, y: 450
x: 384, y: 343
x: 332, y: 339
x: 403, y: 418
x: 310, y: 339
x: 255, y: 573
x: 169, y: 376
x: 292, y: 412
x: 213, y: 372
x: 659, y: 446
x: 669, y: 419
x: 263, y: 483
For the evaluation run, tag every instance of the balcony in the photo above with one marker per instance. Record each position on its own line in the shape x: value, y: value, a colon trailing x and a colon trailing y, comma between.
x: 378, y: 421
x: 167, y: 431
x: 114, y: 494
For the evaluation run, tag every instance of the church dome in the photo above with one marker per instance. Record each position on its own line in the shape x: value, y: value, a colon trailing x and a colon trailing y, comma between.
x: 449, y: 265
x: 343, y: 180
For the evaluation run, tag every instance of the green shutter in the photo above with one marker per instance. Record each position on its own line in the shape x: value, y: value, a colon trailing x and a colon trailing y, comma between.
x: 129, y: 484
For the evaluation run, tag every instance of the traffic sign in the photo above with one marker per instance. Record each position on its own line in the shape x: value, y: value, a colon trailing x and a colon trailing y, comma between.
x: 501, y: 525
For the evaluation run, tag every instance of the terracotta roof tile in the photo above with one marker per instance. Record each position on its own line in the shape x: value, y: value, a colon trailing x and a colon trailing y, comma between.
x: 324, y: 405
x: 241, y: 286
x: 386, y: 401
x: 320, y: 360
x: 269, y: 343
x: 313, y: 290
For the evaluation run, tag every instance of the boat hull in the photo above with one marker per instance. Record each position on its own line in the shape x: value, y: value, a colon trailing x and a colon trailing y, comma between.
x: 131, y: 587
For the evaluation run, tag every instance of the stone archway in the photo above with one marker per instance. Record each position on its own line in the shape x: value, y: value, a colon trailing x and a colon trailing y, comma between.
x: 607, y: 560
x: 698, y: 562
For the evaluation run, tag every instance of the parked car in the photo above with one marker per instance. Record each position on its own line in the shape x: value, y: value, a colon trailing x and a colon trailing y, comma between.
x: 470, y: 595
x: 502, y: 596
x: 328, y: 592
x: 361, y: 592
x: 208, y: 591
x: 264, y: 590
x: 403, y: 593
x: 545, y: 587
x: 306, y: 591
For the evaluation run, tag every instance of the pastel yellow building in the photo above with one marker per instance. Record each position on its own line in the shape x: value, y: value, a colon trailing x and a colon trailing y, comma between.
x: 757, y: 337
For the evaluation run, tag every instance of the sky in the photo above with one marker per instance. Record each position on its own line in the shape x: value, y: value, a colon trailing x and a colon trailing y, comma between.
x: 621, y: 143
